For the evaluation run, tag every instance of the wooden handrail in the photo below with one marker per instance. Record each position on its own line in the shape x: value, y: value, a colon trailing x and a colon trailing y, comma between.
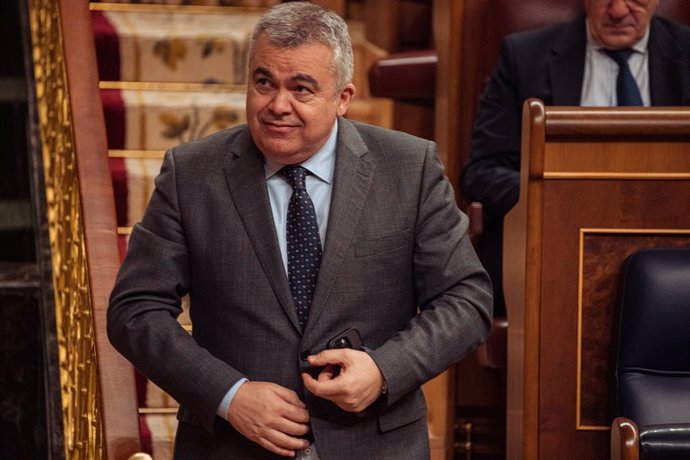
x: 97, y: 386
x: 115, y: 374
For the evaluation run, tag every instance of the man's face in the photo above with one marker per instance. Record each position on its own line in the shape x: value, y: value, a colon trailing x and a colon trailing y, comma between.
x: 293, y: 100
x: 619, y: 23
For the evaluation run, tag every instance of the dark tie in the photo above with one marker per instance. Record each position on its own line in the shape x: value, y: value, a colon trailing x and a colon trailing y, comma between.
x: 627, y: 91
x: 303, y: 242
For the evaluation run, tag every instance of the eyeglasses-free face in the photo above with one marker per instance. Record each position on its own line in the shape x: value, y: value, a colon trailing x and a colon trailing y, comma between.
x: 619, y: 24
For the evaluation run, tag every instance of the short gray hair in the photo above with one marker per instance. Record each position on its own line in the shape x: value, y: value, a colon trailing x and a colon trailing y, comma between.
x: 292, y: 24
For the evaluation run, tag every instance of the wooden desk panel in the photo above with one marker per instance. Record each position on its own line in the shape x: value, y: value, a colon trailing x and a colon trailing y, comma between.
x: 619, y: 159
x: 586, y: 237
x: 587, y: 201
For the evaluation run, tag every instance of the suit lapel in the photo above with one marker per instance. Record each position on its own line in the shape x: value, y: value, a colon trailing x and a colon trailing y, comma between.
x: 665, y: 66
x: 244, y: 174
x: 567, y: 64
x: 351, y: 183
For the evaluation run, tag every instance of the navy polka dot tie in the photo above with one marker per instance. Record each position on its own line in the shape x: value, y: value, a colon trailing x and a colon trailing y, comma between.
x: 627, y: 92
x: 303, y: 242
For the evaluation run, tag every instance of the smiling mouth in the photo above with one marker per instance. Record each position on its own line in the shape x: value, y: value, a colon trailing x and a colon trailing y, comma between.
x: 279, y: 127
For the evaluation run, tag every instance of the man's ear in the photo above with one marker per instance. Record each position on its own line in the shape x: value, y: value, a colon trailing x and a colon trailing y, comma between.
x: 347, y: 95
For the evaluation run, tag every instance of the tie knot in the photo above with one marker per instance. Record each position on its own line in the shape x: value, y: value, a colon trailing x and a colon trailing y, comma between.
x: 295, y: 175
x: 620, y: 56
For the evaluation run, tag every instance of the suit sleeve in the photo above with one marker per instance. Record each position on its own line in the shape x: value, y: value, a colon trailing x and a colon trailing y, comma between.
x: 451, y: 288
x: 492, y: 174
x: 146, y: 301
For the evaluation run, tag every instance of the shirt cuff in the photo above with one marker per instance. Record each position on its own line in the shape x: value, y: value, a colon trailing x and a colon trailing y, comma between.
x: 222, y: 410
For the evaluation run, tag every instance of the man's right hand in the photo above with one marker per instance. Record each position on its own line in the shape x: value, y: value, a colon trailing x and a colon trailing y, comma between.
x: 271, y: 416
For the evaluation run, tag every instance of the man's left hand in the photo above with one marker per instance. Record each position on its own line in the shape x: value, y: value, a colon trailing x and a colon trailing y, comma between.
x: 354, y: 388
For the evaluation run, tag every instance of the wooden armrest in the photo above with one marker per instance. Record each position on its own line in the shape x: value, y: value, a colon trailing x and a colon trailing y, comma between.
x: 625, y: 439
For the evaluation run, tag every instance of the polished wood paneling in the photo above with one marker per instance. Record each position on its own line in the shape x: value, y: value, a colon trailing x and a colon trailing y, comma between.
x: 565, y: 242
x: 620, y: 159
x: 448, y: 20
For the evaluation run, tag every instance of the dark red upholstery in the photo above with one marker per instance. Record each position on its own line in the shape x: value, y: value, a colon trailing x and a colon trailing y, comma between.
x: 410, y: 75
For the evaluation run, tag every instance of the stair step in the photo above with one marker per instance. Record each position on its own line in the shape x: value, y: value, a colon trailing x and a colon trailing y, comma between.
x: 161, y: 119
x: 173, y: 46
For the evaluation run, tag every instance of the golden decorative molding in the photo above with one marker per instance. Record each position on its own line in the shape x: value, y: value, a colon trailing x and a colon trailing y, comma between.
x: 633, y: 231
x: 617, y: 176
x: 83, y: 431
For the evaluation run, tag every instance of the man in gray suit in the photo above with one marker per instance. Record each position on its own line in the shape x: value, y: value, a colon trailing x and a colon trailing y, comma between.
x: 388, y: 256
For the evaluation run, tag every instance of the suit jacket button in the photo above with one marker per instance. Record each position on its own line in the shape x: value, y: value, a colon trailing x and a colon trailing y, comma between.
x: 304, y: 354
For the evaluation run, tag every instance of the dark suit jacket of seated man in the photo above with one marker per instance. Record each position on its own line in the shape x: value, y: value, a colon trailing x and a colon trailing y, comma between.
x: 397, y: 265
x: 549, y: 64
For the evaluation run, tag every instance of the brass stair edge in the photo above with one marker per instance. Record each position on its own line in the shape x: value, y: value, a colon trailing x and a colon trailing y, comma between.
x: 157, y: 410
x: 172, y: 86
x: 155, y: 154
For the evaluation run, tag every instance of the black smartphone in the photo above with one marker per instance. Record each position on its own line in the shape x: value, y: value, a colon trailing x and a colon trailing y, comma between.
x: 349, y: 338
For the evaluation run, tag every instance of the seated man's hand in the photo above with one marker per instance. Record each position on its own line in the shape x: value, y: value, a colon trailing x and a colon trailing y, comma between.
x: 354, y: 388
x: 271, y: 416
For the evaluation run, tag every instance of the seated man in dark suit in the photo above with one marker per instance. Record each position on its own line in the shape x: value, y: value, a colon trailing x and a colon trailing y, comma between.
x: 569, y: 64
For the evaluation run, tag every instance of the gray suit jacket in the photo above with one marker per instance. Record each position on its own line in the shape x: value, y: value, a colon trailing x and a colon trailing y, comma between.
x: 396, y: 241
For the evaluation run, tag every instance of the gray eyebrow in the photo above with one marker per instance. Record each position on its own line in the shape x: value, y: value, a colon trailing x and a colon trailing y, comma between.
x: 299, y: 77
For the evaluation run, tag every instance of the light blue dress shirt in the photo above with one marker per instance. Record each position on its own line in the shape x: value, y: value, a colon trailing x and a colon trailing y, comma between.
x: 319, y: 187
x: 601, y: 72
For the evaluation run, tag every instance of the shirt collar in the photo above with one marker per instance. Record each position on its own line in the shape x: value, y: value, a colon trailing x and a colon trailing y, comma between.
x: 321, y: 164
x: 640, y: 46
